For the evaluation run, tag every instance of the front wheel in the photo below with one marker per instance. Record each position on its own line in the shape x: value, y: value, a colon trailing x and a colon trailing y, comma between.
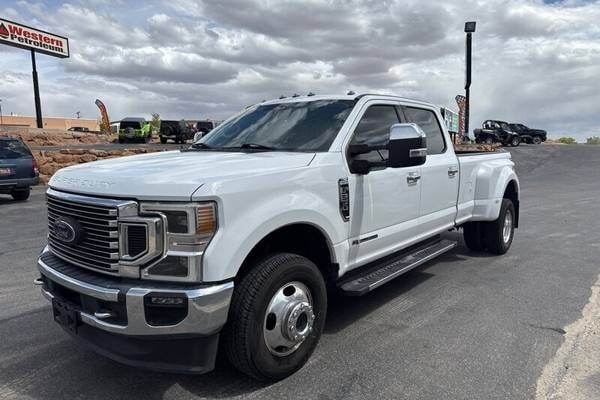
x: 515, y: 141
x: 489, y: 140
x: 276, y: 317
x: 499, y: 233
x: 536, y: 140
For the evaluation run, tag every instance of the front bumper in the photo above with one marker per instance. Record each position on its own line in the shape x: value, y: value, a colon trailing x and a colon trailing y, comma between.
x: 115, y: 317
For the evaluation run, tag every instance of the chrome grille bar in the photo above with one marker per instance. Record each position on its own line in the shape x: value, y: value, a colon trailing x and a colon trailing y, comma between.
x: 98, y: 247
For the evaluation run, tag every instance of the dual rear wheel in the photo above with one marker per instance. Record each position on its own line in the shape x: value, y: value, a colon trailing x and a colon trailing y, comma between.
x: 495, y: 236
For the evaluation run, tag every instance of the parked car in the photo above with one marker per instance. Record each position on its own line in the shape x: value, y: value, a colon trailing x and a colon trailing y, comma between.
x: 18, y: 168
x: 529, y: 135
x: 178, y: 131
x: 493, y: 131
x: 157, y: 259
x: 78, y: 129
x: 134, y: 130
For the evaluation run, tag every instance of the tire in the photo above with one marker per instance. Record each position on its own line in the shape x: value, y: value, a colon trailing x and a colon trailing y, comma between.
x: 121, y: 140
x: 494, y: 232
x: 249, y: 322
x: 21, y: 195
x: 537, y: 140
x: 163, y: 140
x: 473, y: 236
x: 489, y: 140
x: 514, y: 142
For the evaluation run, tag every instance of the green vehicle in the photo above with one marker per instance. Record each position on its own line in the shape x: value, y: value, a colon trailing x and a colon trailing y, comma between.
x: 134, y: 130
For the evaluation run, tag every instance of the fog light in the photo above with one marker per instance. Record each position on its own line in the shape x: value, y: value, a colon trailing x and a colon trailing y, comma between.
x: 163, y: 309
x: 166, y: 301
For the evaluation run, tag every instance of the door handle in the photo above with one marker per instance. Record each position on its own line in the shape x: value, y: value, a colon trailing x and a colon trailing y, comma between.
x: 452, y: 171
x: 413, y: 178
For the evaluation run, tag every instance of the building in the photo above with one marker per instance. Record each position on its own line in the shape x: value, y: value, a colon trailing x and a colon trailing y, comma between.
x: 50, y: 122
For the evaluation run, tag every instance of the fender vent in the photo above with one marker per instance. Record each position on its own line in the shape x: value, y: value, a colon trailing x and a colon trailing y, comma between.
x: 344, y: 194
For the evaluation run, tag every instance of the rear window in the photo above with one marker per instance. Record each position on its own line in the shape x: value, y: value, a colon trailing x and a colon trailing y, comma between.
x: 11, y: 149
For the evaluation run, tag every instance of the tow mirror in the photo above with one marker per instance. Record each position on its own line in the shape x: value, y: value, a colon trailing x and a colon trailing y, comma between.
x: 407, y: 146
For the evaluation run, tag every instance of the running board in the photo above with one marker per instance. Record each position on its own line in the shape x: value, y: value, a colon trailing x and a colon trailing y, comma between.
x: 389, y: 269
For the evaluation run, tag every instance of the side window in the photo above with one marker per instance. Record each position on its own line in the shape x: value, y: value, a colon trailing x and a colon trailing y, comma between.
x: 374, y: 130
x: 427, y: 120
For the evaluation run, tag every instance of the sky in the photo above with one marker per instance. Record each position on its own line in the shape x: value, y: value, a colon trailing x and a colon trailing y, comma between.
x: 534, y: 62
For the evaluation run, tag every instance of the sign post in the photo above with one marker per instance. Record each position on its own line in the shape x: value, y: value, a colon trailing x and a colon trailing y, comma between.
x: 469, y: 29
x: 36, y: 41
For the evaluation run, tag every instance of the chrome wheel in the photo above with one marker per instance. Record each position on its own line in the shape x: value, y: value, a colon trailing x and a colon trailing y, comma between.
x: 507, y: 229
x: 289, y: 319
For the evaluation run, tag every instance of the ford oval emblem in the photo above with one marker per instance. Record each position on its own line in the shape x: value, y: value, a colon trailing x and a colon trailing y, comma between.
x: 67, y: 230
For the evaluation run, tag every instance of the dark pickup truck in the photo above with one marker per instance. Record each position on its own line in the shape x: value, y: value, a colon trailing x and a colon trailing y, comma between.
x: 494, y: 131
x: 18, y: 169
x: 178, y: 131
x: 529, y: 135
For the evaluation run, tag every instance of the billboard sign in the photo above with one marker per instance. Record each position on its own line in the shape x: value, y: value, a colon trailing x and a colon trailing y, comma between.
x: 25, y: 37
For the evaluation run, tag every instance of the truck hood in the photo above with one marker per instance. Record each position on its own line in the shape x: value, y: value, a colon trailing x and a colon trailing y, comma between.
x: 171, y: 175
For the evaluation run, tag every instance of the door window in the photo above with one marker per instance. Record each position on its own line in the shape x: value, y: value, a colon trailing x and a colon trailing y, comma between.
x: 428, y: 122
x: 374, y: 130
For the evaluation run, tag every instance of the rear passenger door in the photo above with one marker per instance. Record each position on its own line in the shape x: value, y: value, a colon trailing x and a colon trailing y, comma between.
x: 439, y: 174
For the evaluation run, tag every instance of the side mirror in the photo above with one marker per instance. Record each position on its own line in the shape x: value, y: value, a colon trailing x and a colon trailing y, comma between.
x: 407, y: 146
x: 197, y: 136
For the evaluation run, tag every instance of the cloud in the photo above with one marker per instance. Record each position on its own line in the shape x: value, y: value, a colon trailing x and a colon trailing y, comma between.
x: 533, y: 62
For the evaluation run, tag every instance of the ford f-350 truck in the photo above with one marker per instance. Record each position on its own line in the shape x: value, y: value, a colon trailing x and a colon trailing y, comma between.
x: 156, y: 260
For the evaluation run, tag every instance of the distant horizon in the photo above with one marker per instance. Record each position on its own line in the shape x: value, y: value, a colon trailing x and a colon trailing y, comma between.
x: 534, y: 62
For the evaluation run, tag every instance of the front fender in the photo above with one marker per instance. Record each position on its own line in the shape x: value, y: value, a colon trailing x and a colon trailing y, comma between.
x: 244, y: 230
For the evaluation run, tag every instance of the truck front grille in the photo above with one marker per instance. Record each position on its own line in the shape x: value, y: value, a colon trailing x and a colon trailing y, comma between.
x: 97, y: 244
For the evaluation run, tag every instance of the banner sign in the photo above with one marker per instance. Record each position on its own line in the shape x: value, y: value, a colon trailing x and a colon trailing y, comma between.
x: 25, y: 37
x: 461, y: 101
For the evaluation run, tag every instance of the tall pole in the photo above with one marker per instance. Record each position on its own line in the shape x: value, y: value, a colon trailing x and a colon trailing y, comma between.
x: 1, y: 118
x: 36, y: 92
x: 467, y: 82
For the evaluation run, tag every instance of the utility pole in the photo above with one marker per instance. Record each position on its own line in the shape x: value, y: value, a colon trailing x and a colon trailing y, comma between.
x: 469, y: 29
x: 1, y: 118
x: 36, y: 92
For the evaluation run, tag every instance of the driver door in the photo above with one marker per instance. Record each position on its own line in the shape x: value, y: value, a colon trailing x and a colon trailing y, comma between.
x: 385, y: 202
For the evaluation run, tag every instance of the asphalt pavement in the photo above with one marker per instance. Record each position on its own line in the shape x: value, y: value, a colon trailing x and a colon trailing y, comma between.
x: 464, y: 326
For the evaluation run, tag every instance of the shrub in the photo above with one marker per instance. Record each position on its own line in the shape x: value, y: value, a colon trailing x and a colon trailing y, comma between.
x: 593, y: 140
x: 567, y: 140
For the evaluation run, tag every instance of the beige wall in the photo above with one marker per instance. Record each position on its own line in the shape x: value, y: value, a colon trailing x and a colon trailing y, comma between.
x: 51, y: 122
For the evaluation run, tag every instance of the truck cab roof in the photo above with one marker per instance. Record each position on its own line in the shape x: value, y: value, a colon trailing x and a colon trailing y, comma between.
x: 356, y: 97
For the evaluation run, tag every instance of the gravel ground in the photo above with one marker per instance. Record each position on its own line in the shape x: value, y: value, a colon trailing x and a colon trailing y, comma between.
x: 466, y: 326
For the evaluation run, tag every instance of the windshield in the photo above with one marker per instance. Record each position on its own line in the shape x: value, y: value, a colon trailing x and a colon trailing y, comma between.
x: 11, y: 149
x: 130, y: 124
x: 301, y: 126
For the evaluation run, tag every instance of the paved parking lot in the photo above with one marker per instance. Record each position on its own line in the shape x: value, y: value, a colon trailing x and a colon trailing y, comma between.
x: 467, y: 326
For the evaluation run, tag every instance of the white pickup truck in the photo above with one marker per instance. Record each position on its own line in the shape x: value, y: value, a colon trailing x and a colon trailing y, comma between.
x: 155, y: 260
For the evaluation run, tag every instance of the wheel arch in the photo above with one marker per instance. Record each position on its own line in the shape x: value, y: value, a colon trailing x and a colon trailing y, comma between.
x: 302, y: 238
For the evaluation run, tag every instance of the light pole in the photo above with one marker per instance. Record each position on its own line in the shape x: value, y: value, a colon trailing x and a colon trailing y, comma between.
x: 469, y: 29
x: 1, y: 118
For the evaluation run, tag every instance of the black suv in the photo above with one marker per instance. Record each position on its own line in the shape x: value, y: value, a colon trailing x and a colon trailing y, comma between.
x: 494, y: 131
x: 178, y: 131
x: 18, y: 169
x: 529, y: 135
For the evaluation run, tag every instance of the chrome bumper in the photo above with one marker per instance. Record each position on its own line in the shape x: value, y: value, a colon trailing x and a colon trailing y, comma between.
x: 207, y: 309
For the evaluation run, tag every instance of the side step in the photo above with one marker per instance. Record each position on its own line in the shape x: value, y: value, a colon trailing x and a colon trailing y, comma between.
x: 384, y: 271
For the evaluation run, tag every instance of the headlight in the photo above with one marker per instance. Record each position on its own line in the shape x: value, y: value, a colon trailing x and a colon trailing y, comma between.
x: 189, y: 229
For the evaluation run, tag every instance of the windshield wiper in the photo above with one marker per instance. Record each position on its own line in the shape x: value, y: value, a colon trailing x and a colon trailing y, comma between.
x: 200, y: 146
x: 256, y: 146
